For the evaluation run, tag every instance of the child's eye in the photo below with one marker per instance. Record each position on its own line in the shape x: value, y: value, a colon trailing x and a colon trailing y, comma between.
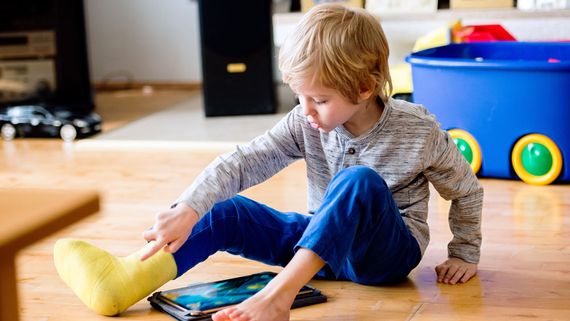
x: 320, y: 102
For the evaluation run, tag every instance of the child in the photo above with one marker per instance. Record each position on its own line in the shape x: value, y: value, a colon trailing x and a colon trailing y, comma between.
x: 369, y: 160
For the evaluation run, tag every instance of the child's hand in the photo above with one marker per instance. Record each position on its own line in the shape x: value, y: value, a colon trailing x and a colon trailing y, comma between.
x: 171, y: 229
x: 455, y: 270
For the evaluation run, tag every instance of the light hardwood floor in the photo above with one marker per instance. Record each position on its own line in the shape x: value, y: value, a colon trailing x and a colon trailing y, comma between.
x: 524, y: 272
x: 120, y: 107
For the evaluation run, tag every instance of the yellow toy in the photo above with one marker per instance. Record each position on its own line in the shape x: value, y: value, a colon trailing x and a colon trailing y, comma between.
x: 401, y: 73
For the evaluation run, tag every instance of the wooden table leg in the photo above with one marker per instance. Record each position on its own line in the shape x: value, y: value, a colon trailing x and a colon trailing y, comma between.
x: 8, y: 290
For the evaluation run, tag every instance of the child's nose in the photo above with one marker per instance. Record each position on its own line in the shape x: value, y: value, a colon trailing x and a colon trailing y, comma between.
x: 307, y: 108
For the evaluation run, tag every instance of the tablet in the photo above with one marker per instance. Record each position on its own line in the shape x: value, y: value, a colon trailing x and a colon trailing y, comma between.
x: 199, y: 300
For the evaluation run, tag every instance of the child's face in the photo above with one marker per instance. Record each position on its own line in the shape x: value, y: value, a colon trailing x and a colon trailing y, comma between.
x: 324, y: 107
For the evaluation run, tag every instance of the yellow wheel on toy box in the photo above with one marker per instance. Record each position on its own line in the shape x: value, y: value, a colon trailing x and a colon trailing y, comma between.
x: 536, y: 159
x: 468, y: 147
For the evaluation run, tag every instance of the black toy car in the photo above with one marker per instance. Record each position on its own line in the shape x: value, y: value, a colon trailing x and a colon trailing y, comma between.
x: 37, y: 121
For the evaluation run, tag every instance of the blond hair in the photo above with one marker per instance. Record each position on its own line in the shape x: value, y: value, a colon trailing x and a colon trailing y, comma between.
x: 342, y: 48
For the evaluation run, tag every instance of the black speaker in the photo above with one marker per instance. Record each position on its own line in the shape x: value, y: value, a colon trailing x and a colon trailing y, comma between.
x: 237, y: 57
x: 43, y: 54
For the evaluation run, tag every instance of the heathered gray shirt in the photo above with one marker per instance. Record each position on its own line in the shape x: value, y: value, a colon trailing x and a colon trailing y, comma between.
x: 406, y: 147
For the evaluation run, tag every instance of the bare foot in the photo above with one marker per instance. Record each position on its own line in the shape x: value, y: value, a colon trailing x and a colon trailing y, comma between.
x: 260, y: 307
x: 273, y: 302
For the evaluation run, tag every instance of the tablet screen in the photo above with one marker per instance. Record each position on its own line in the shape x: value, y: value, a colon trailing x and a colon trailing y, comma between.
x: 209, y: 297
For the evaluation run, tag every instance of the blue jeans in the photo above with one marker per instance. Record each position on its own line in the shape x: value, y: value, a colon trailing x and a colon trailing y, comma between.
x: 358, y: 231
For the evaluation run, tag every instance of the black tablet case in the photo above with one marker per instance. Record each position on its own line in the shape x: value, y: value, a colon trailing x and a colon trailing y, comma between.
x: 301, y: 300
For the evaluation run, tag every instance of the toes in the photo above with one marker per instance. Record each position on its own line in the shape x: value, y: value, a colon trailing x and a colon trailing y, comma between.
x: 222, y: 315
x: 230, y: 314
x: 235, y: 314
x: 239, y: 315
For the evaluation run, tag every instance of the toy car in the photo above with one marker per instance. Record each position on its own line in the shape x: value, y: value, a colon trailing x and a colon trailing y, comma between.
x: 37, y: 121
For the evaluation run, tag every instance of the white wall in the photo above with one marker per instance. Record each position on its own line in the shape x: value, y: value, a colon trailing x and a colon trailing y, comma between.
x: 144, y: 40
x: 159, y: 40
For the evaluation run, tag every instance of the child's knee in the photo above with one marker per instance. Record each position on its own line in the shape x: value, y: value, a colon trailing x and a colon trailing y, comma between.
x: 362, y: 175
x: 227, y: 210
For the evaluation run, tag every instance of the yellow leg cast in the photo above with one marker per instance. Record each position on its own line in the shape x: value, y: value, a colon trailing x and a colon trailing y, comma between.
x: 108, y: 284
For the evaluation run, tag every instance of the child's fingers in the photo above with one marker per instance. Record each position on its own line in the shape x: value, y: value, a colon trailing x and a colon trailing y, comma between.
x: 441, y: 270
x: 173, y: 246
x: 450, y: 273
x: 455, y: 270
x: 438, y: 269
x: 458, y: 275
x: 159, y: 244
x: 149, y: 235
x: 468, y: 275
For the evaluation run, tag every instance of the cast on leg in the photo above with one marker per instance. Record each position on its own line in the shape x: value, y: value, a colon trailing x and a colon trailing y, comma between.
x: 108, y: 284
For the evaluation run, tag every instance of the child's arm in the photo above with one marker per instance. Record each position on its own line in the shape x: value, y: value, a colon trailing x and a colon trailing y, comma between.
x: 226, y: 176
x: 453, y: 178
x: 248, y: 165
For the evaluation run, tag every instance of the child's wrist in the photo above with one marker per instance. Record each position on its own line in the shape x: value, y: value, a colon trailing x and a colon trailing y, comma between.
x: 184, y: 208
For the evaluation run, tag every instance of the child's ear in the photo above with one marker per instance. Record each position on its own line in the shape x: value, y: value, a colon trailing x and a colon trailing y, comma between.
x: 366, y: 91
x: 365, y: 94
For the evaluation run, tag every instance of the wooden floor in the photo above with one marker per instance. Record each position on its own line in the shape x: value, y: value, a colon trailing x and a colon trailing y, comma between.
x: 524, y: 272
x: 118, y: 108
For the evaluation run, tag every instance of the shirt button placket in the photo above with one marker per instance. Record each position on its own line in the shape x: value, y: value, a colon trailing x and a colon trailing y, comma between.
x: 349, y: 151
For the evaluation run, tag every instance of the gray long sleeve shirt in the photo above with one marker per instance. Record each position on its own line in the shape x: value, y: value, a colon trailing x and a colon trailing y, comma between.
x: 406, y: 147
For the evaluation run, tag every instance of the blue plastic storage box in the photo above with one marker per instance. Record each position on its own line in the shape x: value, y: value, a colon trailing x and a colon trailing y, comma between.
x: 509, y: 103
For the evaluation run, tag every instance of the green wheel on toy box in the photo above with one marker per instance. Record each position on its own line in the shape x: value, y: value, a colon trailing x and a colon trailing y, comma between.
x: 468, y: 146
x: 536, y: 159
